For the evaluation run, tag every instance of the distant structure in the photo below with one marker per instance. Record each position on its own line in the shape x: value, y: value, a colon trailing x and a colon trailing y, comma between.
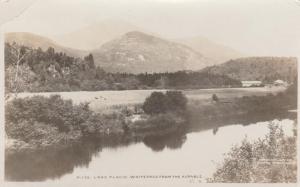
x: 251, y: 83
x: 280, y: 83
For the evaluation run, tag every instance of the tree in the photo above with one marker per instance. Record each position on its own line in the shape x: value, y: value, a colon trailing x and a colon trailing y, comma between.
x: 176, y: 101
x: 14, y: 55
x: 90, y: 60
x: 215, y: 98
x: 155, y: 104
x: 172, y: 101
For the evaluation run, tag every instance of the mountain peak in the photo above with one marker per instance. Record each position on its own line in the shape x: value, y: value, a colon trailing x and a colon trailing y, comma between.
x: 138, y: 52
x: 137, y: 34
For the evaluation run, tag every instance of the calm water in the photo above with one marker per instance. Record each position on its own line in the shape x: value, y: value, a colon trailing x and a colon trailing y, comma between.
x: 196, y: 151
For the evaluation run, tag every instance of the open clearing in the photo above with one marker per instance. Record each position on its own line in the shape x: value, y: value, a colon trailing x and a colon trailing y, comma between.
x: 103, y: 99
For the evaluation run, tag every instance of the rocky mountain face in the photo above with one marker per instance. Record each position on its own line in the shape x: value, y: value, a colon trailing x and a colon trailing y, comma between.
x: 137, y: 52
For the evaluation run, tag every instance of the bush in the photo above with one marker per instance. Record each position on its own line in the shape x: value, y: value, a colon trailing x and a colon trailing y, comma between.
x: 52, y: 111
x: 158, y: 102
x: 268, y: 160
x: 155, y: 104
x: 176, y: 101
x: 215, y: 98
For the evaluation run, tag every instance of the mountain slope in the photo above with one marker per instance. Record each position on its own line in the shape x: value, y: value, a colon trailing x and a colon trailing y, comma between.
x: 265, y: 69
x: 36, y: 41
x: 137, y: 52
x: 93, y: 36
x: 211, y: 49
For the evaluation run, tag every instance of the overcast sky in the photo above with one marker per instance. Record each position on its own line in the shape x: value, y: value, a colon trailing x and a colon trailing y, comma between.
x: 254, y: 27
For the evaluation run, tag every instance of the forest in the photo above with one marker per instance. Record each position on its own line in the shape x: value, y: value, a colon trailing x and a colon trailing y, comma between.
x: 35, y: 70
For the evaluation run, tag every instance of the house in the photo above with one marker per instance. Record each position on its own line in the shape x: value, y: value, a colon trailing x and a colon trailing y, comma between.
x: 280, y: 83
x: 251, y: 83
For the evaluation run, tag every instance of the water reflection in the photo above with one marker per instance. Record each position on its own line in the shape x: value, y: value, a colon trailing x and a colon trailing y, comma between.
x: 197, y: 123
x: 215, y: 130
x: 51, y: 163
x: 56, y: 162
x: 171, y: 141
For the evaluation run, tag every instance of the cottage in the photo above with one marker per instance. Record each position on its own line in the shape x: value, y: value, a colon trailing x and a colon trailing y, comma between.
x: 280, y: 83
x: 251, y: 83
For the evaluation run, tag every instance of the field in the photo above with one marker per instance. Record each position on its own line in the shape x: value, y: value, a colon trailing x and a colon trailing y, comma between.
x: 103, y: 99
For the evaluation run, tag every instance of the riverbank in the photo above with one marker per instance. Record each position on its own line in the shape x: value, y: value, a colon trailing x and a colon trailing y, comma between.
x: 100, y: 100
x: 35, y: 123
x: 271, y: 159
x: 39, y: 122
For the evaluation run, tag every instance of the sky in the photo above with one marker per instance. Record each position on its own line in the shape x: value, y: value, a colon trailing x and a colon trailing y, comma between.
x: 254, y: 27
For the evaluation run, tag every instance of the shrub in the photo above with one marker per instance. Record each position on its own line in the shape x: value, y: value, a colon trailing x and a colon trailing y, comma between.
x: 28, y: 131
x: 256, y: 161
x: 215, y: 98
x: 176, y: 101
x: 52, y: 111
x: 155, y: 104
x: 158, y: 102
x: 93, y: 125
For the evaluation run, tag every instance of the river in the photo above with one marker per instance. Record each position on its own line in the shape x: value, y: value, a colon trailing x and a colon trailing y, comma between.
x: 196, y: 151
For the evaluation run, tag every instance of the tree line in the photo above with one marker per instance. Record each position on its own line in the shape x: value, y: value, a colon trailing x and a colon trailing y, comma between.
x: 37, y: 70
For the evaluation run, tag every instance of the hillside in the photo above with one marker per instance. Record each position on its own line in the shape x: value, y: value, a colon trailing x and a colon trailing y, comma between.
x: 137, y: 52
x: 36, y: 41
x: 265, y: 69
x: 219, y: 53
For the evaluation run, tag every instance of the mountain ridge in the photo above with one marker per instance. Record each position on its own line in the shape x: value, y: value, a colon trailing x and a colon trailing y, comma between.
x: 138, y: 52
x: 220, y: 53
x: 36, y: 41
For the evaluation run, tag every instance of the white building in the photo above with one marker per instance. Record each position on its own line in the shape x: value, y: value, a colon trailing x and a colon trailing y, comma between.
x: 251, y: 83
x: 280, y: 83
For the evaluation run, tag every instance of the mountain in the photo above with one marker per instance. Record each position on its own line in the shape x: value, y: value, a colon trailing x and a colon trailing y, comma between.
x: 36, y: 41
x: 219, y: 53
x: 137, y: 52
x: 94, y: 35
x: 267, y: 69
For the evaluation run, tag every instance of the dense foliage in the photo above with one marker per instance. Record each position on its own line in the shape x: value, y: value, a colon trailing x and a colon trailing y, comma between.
x: 265, y: 69
x: 42, y: 118
x: 269, y: 160
x: 35, y: 70
x: 171, y: 101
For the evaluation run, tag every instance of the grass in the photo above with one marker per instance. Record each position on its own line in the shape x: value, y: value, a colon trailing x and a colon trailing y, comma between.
x: 100, y: 100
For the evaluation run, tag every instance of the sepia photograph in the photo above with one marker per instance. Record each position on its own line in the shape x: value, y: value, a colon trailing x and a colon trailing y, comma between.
x: 149, y: 92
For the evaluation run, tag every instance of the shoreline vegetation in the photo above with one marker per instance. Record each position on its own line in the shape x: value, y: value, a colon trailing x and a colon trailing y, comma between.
x: 38, y: 122
x: 272, y: 159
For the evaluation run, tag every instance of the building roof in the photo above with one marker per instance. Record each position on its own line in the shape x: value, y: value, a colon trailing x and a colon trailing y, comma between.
x: 279, y: 81
x: 252, y: 82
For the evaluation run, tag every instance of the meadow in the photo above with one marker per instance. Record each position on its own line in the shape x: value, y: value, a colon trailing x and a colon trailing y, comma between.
x: 100, y: 100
